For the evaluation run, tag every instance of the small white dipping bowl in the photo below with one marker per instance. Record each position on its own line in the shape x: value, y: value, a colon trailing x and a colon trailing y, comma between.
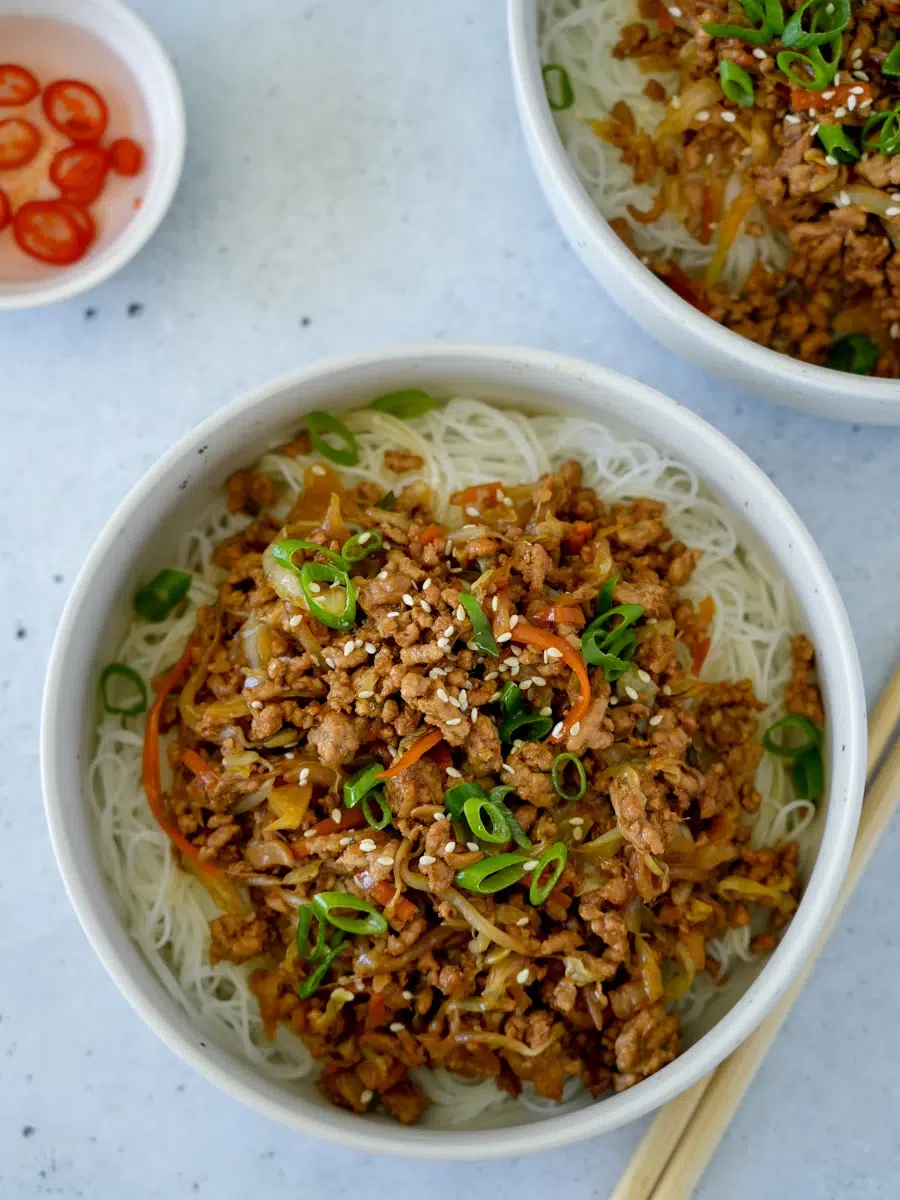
x: 137, y: 542
x: 160, y: 128
x: 646, y: 298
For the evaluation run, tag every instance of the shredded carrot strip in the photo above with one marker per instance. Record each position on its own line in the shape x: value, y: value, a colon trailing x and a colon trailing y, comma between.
x: 383, y: 892
x: 484, y: 494
x: 837, y: 96
x: 413, y: 754
x: 430, y: 534
x: 350, y: 818
x: 545, y: 640
x: 205, y: 772
x: 377, y: 1013
x: 559, y: 614
x: 578, y: 535
x: 653, y: 213
x: 706, y: 610
x: 729, y: 228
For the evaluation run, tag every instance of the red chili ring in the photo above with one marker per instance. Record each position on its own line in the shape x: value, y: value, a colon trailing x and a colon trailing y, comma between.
x: 80, y: 216
x: 75, y: 109
x: 19, y: 142
x: 126, y: 156
x: 49, y: 233
x: 5, y: 209
x: 17, y: 85
x: 80, y: 169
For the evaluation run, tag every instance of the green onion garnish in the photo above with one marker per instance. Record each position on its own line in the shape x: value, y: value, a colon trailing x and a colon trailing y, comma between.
x: 333, y: 906
x: 321, y: 423
x: 388, y: 502
x: 492, y: 874
x: 794, y: 723
x: 484, y: 639
x: 855, y: 353
x: 611, y: 648
x: 808, y: 774
x: 766, y: 21
x: 828, y: 18
x: 888, y: 141
x: 156, y: 599
x: 406, y: 404
x: 821, y: 69
x: 456, y: 797
x: 558, y: 86
x: 384, y: 816
x: 311, y: 984
x: 525, y: 727
x: 308, y: 952
x: 837, y: 142
x: 486, y: 820
x: 557, y: 772
x: 356, y: 548
x: 891, y: 65
x: 554, y: 856
x: 361, y: 784
x: 283, y: 552
x: 316, y: 573
x: 125, y: 708
x: 519, y: 835
x: 736, y: 84
x: 510, y: 698
x: 605, y: 596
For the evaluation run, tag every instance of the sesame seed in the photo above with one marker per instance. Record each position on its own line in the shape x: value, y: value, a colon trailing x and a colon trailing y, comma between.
x: 552, y: 652
x: 406, y: 995
x: 703, y: 115
x: 792, y: 119
x: 349, y: 647
x: 495, y: 603
x: 471, y: 510
x: 831, y: 160
x: 443, y: 643
x: 827, y: 95
x: 613, y: 701
x: 861, y: 75
x: 427, y: 859
x: 522, y: 921
x: 895, y: 196
x: 851, y: 103
x: 295, y: 621
x: 304, y: 774
x: 729, y: 118
x: 675, y: 102
x: 315, y: 588
x: 310, y: 833
x: 460, y: 613
x: 655, y: 720
x: 426, y: 607
x: 546, y: 711
x: 257, y: 704
x: 643, y: 677
x: 530, y: 864
x: 289, y: 755
x: 855, y: 91
x: 393, y: 614
x: 366, y: 1096
x: 453, y: 700
x: 473, y: 715
x: 895, y: 330
x: 396, y: 1027
x: 437, y: 673
x: 450, y: 631
x: 329, y: 661
x: 576, y: 820
x: 407, y: 600
x: 557, y: 729
x: 510, y: 662
x: 370, y: 648
x: 450, y: 847
x: 507, y: 500
x: 463, y: 701
x: 840, y: 112
x: 345, y: 841
x: 758, y: 53
x: 507, y: 767
x: 844, y: 199
x: 382, y: 574
x: 523, y: 976
x: 317, y: 470
x: 453, y: 773
x: 631, y: 693
x: 504, y: 637
x: 667, y: 691
x: 385, y: 861
x: 366, y: 695
x: 426, y: 585
x: 367, y: 845
x: 577, y: 833
x: 525, y: 685
x: 473, y: 846
x: 513, y: 621
x: 454, y: 721
x: 576, y: 729
x: 491, y: 675
x: 892, y: 211
x: 249, y: 682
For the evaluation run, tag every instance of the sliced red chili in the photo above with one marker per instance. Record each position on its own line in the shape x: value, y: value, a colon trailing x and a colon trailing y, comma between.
x: 79, y: 169
x: 19, y: 142
x: 126, y: 156
x: 75, y: 109
x: 5, y: 209
x: 46, y: 231
x: 17, y: 85
x: 80, y: 216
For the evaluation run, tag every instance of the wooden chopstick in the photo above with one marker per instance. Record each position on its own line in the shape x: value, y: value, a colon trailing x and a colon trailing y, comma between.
x: 665, y: 1149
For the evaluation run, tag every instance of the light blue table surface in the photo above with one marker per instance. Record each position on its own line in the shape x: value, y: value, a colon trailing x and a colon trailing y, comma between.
x: 355, y: 175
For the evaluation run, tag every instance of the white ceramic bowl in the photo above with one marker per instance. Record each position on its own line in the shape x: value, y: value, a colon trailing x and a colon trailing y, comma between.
x: 145, y: 61
x: 645, y: 297
x: 135, y: 544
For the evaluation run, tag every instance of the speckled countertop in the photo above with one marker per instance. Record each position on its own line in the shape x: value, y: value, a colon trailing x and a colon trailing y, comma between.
x: 355, y: 175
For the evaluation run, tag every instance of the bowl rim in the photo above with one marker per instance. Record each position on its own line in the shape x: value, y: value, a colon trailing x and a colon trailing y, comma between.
x: 120, y: 956
x: 141, y: 227
x: 840, y: 394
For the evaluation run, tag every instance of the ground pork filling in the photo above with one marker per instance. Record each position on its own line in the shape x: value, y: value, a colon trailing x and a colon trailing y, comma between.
x: 826, y: 220
x: 274, y: 711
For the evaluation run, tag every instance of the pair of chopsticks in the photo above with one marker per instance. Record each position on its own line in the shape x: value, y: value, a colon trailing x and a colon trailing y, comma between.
x: 676, y: 1149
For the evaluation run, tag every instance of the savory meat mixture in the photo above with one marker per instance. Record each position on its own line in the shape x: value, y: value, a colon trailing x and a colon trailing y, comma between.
x: 799, y: 105
x: 458, y: 788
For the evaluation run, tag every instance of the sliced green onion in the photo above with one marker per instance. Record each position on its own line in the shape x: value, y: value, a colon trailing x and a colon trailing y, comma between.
x: 405, y: 404
x: 312, y: 572
x: 554, y: 856
x: 492, y: 874
x: 821, y: 70
x: 119, y: 670
x: 510, y: 698
x: 388, y: 502
x: 611, y: 648
x: 156, y: 599
x: 558, y: 86
x: 836, y: 141
x: 312, y: 983
x: 794, y: 723
x: 556, y: 774
x: 766, y: 21
x: 484, y: 639
x: 308, y: 952
x: 808, y: 774
x: 605, y: 596
x: 736, y: 84
x: 385, y: 815
x: 891, y: 65
x: 333, y: 905
x: 855, y: 353
x: 526, y: 727
x: 519, y: 835
x: 828, y: 18
x: 456, y: 797
x: 356, y: 548
x: 361, y: 784
x: 283, y: 553
x: 888, y: 141
x: 321, y: 423
x: 496, y: 831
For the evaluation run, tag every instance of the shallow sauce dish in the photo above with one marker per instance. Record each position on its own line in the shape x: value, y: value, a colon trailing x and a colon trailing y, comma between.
x: 138, y: 541
x: 646, y: 298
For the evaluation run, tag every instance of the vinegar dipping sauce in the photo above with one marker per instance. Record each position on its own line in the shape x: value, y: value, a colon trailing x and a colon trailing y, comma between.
x: 52, y: 50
